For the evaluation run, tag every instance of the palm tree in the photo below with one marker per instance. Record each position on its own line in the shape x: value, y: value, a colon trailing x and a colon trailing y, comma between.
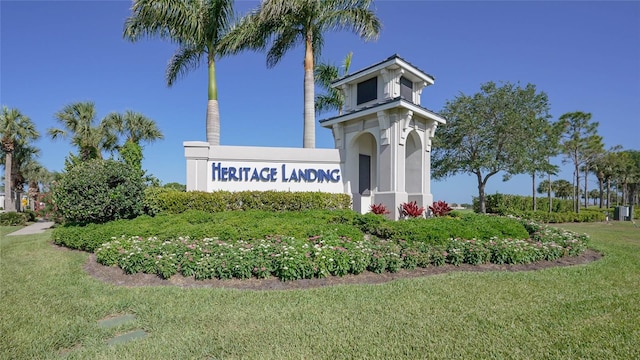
x: 325, y: 74
x: 197, y: 27
x: 78, y: 120
x: 562, y: 188
x: 23, y: 163
x: 33, y: 174
x: 15, y: 129
x: 292, y: 22
x: 134, y: 126
x: 580, y: 142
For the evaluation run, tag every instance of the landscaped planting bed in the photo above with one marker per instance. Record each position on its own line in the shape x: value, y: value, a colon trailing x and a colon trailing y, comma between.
x: 325, y: 244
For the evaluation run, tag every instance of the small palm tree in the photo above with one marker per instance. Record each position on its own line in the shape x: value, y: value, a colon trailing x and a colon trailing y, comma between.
x: 134, y: 126
x: 325, y: 74
x: 197, y: 27
x: 16, y: 129
x: 292, y: 22
x: 78, y: 120
x: 32, y: 173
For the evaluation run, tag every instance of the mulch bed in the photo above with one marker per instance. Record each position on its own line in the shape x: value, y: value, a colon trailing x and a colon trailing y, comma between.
x: 116, y: 276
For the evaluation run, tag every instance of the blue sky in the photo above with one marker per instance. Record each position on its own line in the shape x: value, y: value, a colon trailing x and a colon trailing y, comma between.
x: 584, y: 55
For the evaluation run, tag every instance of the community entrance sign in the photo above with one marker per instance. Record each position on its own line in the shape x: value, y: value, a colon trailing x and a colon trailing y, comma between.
x: 382, y: 147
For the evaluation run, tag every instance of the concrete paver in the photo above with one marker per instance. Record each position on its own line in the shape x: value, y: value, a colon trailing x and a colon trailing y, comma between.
x: 35, y: 228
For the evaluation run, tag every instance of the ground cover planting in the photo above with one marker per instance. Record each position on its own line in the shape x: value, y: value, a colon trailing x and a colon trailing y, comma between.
x: 52, y: 308
x: 324, y: 243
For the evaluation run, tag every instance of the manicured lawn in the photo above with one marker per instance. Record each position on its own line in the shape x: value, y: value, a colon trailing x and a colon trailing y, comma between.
x: 50, y: 307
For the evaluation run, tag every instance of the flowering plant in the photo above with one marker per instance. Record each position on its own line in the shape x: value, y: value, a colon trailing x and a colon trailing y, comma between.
x: 411, y: 209
x: 440, y: 208
x: 378, y: 209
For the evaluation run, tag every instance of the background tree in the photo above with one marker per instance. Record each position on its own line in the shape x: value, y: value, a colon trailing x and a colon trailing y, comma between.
x: 325, y: 74
x: 595, y: 151
x: 563, y: 188
x: 630, y: 175
x: 197, y: 27
x: 488, y: 133
x: 24, y: 166
x: 135, y: 128
x: 594, y: 195
x: 288, y: 23
x: 79, y: 123
x: 175, y: 186
x: 16, y: 130
x: 603, y: 168
x: 546, y: 186
x: 579, y: 143
x: 539, y: 149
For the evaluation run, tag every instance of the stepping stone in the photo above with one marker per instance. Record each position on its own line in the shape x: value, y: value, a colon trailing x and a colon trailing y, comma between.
x: 116, y: 321
x: 136, y: 334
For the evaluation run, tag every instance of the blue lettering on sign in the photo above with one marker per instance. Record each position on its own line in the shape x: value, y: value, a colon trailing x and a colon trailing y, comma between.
x: 270, y: 174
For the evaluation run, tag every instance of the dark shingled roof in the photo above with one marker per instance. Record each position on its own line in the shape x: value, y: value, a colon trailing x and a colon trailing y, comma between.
x: 378, y: 105
x: 394, y: 56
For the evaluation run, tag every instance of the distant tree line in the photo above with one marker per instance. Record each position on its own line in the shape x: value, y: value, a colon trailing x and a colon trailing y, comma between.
x: 508, y: 130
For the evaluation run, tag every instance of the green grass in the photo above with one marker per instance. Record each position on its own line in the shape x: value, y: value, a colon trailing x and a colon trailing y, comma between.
x: 4, y: 230
x: 50, y: 307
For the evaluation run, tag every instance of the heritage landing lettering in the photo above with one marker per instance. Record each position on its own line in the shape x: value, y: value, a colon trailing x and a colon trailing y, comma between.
x: 271, y: 174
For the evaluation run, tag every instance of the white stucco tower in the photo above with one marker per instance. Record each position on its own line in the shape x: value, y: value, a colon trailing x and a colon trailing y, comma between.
x: 384, y: 135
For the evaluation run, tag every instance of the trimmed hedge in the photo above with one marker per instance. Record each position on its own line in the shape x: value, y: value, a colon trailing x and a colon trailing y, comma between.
x: 159, y: 200
x: 585, y: 215
x: 227, y: 226
x: 256, y: 224
x: 13, y: 218
x: 440, y: 229
x: 504, y: 203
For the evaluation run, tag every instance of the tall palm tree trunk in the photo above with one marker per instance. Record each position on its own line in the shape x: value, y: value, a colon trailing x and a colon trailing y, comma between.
x: 309, y: 131
x: 549, y: 194
x: 586, y: 192
x: 213, y: 112
x: 533, y: 190
x: 9, y: 205
x: 608, y: 192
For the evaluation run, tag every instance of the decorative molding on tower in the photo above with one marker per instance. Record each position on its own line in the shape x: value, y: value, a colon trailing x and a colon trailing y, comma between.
x: 338, y: 135
x: 405, y: 122
x: 384, y: 123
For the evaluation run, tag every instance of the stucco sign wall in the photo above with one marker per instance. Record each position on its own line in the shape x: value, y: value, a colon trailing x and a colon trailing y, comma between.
x: 240, y: 168
x: 264, y: 175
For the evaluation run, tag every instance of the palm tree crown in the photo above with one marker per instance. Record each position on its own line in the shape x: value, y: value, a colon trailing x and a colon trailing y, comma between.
x: 78, y: 121
x: 16, y: 130
x: 325, y: 74
x: 134, y: 126
x: 197, y: 26
x: 287, y: 23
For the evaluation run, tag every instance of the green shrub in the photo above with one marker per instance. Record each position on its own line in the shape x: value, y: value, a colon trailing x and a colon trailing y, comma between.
x: 30, y: 214
x: 13, y: 218
x: 585, y: 215
x: 439, y: 230
x: 227, y: 226
x: 504, y: 203
x: 176, y: 202
x: 290, y: 258
x: 98, y: 191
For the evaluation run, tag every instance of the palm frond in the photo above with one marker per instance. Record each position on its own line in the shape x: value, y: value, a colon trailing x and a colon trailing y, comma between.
x: 283, y: 42
x: 167, y: 19
x: 221, y: 16
x: 358, y: 18
x: 324, y: 74
x: 186, y: 58
x: 327, y: 102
